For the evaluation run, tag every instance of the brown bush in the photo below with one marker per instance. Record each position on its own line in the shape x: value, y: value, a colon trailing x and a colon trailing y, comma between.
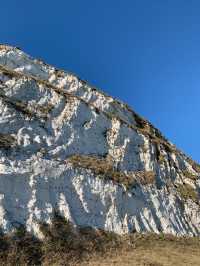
x: 63, y: 242
x: 20, y: 248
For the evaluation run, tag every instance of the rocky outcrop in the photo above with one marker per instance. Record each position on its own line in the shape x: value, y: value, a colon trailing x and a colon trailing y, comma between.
x: 66, y: 146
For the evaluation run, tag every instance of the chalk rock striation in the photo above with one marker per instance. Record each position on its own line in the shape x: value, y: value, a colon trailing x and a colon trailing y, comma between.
x: 66, y: 146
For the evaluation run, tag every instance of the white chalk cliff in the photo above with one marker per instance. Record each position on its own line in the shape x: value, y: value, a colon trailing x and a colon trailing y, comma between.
x: 67, y: 146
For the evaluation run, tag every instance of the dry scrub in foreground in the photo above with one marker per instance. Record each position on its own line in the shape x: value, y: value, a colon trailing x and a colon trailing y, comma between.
x: 65, y: 245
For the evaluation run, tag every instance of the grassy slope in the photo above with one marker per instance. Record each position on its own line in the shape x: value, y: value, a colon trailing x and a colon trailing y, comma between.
x: 153, y: 251
x: 64, y: 245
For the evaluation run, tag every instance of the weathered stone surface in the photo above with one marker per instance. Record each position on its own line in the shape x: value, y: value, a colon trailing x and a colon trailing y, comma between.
x: 48, y: 116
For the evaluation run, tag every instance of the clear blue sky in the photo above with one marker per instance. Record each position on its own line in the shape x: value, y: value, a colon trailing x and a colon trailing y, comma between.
x: 145, y: 52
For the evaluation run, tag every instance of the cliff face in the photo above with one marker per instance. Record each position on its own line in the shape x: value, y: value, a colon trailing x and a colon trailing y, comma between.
x: 66, y: 146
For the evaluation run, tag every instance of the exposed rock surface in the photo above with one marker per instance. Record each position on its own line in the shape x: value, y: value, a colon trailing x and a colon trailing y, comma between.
x: 65, y: 145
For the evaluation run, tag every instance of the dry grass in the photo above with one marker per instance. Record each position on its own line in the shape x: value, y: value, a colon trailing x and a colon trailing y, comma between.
x: 156, y: 253
x: 145, y: 177
x: 65, y: 245
x: 186, y: 192
x: 104, y: 167
x: 189, y: 175
x: 62, y: 244
x: 20, y: 248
